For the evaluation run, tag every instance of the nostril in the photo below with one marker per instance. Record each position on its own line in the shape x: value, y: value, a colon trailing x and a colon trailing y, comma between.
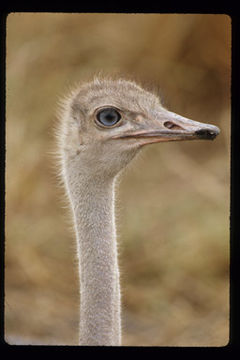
x: 170, y: 125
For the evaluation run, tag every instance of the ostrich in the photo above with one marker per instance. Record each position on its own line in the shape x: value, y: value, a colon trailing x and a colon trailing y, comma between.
x: 103, y: 125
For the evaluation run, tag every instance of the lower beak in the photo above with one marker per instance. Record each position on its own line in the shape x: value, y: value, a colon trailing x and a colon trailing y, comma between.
x: 172, y: 127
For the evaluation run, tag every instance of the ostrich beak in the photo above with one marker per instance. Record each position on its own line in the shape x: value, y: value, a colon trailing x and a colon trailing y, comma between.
x: 168, y: 126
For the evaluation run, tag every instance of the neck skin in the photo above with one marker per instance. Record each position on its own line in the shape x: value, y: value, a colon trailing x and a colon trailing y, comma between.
x: 93, y: 208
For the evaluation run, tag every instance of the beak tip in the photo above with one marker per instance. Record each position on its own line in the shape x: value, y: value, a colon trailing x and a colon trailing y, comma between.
x: 218, y: 130
x: 208, y: 133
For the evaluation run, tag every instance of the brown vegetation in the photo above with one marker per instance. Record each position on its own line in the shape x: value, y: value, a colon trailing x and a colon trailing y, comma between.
x: 173, y: 209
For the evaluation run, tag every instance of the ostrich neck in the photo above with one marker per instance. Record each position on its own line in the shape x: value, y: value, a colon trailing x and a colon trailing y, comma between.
x: 93, y: 208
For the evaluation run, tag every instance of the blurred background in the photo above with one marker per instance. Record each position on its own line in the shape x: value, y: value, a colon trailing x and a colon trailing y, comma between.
x: 173, y: 204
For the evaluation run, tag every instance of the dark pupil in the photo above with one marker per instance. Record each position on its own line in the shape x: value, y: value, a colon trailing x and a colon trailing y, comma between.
x: 108, y: 117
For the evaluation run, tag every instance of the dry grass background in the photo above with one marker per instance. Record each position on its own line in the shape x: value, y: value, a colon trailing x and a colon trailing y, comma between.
x: 173, y: 204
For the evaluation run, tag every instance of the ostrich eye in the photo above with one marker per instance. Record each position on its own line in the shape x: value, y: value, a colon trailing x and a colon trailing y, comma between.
x: 108, y: 117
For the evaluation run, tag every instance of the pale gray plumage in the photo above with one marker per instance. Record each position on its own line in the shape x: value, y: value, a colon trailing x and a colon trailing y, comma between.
x: 92, y: 155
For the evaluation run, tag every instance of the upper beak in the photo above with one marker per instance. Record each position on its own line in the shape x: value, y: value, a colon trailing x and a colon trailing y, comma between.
x: 169, y: 126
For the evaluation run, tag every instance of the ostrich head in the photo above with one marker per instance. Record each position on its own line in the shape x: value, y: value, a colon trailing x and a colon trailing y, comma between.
x: 106, y: 122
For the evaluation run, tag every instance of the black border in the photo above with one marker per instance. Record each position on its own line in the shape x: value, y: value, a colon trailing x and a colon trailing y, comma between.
x: 234, y: 343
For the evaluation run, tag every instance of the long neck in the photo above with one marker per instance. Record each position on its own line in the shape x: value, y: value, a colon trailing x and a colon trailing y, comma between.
x: 93, y: 208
